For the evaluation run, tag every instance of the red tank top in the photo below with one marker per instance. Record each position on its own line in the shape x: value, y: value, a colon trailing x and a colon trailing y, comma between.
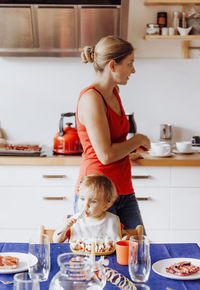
x: 120, y: 171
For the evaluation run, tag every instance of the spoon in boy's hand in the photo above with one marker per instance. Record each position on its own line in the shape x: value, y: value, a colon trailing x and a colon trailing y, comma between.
x: 74, y: 218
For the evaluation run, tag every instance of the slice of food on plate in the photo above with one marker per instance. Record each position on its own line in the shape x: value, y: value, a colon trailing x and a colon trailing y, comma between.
x: 8, y: 262
x: 183, y: 268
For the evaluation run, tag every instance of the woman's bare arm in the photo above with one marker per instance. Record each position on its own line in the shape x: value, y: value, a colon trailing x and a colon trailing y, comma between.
x: 92, y: 114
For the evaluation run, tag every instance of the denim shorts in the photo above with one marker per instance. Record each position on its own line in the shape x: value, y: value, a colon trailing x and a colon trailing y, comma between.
x: 127, y: 209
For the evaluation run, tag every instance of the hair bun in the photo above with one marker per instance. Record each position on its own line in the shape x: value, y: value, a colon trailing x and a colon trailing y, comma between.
x: 87, y: 54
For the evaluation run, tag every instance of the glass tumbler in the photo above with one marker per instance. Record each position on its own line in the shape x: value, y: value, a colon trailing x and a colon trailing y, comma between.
x: 139, y: 258
x: 22, y: 281
x: 39, y: 250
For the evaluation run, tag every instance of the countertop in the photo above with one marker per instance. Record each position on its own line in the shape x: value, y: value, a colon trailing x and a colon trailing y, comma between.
x: 75, y: 160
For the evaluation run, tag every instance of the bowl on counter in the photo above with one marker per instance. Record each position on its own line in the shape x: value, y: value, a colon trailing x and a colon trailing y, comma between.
x: 184, y: 31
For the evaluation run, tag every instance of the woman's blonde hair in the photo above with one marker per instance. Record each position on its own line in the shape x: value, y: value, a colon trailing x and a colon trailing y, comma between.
x: 100, y: 184
x: 108, y: 48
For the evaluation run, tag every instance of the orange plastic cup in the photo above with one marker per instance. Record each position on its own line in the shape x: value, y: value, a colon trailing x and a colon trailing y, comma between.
x: 122, y: 252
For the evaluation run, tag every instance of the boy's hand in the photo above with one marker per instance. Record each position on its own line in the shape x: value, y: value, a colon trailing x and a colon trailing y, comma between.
x: 127, y: 237
x: 70, y: 221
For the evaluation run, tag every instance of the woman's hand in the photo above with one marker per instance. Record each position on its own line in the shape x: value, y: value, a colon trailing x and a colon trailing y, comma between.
x: 142, y: 141
x: 135, y: 156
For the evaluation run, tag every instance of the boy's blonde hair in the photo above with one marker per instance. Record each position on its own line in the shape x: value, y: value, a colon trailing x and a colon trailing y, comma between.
x: 100, y: 183
x: 108, y: 48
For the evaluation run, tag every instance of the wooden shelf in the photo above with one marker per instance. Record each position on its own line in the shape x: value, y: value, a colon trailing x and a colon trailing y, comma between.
x: 185, y: 43
x: 180, y: 37
x: 171, y: 2
x: 185, y: 39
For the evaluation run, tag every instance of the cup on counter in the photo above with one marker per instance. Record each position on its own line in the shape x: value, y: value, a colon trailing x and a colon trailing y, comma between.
x: 184, y: 146
x: 165, y: 31
x: 160, y: 149
x: 171, y: 31
x: 122, y: 252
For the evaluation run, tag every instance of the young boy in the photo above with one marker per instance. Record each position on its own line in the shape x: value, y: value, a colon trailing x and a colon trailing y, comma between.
x: 96, y: 194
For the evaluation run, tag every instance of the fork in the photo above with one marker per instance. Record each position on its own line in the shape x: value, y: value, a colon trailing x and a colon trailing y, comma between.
x: 7, y: 282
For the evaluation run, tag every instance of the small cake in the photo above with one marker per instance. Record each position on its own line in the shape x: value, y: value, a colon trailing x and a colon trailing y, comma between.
x: 102, y: 246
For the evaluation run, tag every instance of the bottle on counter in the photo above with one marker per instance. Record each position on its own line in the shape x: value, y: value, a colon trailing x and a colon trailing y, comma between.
x: 162, y: 19
x: 183, y: 20
x: 176, y: 21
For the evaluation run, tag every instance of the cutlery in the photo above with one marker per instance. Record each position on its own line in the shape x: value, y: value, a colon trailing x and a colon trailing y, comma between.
x: 76, y: 216
x: 7, y: 282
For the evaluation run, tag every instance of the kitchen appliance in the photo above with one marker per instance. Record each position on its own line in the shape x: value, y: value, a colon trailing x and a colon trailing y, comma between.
x: 165, y: 132
x: 66, y: 141
x: 58, y: 27
x: 132, y: 125
x: 196, y: 141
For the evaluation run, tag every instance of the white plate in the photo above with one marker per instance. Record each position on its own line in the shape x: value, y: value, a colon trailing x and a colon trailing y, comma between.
x: 23, y: 262
x: 187, y: 152
x: 160, y: 268
x: 165, y: 155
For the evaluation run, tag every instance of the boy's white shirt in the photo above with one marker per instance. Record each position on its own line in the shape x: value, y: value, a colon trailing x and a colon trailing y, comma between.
x: 107, y: 227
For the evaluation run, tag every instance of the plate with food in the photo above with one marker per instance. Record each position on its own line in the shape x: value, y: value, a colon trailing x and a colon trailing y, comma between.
x: 20, y: 149
x: 178, y: 268
x: 14, y: 262
x: 102, y: 247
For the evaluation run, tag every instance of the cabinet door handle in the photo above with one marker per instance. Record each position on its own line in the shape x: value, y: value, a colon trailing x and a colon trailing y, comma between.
x: 54, y: 176
x: 141, y: 176
x: 54, y: 197
x: 143, y: 198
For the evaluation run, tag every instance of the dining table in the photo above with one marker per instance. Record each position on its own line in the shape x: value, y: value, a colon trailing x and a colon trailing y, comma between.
x: 155, y: 281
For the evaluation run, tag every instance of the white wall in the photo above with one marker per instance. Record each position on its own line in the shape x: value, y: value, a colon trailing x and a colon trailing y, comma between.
x: 34, y: 91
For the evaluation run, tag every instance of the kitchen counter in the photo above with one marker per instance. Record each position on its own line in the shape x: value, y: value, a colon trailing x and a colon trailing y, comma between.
x: 58, y: 160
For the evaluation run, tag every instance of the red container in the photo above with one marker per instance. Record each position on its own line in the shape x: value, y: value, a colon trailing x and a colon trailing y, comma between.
x: 67, y: 141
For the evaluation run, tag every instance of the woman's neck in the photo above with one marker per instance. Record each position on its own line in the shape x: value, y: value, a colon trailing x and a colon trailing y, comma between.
x: 105, y: 85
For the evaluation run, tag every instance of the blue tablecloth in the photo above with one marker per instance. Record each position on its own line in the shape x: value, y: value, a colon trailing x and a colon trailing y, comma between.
x: 158, y: 252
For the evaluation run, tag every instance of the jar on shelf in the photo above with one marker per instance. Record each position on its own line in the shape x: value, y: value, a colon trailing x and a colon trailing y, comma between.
x: 152, y: 29
x: 162, y: 19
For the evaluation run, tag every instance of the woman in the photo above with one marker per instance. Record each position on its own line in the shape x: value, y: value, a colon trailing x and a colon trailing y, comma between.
x: 102, y: 125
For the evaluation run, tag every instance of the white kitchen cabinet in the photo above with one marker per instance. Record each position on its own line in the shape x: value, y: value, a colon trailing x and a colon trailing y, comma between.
x: 152, y: 189
x: 169, y: 199
x: 185, y: 201
x: 185, y: 177
x: 38, y: 175
x: 34, y: 195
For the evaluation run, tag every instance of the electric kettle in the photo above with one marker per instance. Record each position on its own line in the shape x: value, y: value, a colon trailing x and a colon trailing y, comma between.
x: 67, y: 141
